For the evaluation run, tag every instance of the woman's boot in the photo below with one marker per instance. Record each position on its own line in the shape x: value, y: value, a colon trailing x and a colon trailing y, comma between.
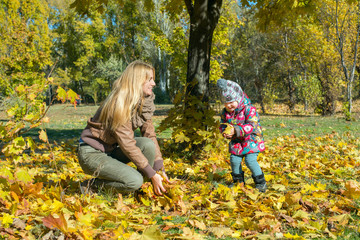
x: 260, y: 182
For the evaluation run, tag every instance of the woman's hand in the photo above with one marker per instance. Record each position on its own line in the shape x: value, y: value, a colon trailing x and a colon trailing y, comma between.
x: 157, y: 184
x: 164, y: 176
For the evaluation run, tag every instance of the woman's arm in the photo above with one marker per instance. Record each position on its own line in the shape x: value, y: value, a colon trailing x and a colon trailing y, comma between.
x: 127, y: 143
x: 148, y: 130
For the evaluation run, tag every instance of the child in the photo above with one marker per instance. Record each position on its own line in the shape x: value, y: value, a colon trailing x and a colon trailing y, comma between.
x: 245, y: 133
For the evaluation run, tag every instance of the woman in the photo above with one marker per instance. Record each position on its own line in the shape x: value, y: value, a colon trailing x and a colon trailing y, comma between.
x: 107, y: 143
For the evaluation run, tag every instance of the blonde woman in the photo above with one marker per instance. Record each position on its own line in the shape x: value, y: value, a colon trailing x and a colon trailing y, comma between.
x: 107, y: 144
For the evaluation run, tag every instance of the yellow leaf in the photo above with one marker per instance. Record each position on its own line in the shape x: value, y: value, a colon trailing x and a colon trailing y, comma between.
x: 6, y: 173
x: 56, y: 206
x: 43, y: 136
x: 228, y: 128
x: 300, y: 214
x: 15, y: 147
x: 279, y: 187
x: 221, y: 231
x: 20, y: 89
x: 253, y: 196
x: 28, y: 227
x: 146, y: 202
x: 296, y: 237
x: 61, y: 94
x: 30, y: 143
x: 352, y: 189
x: 198, y: 224
x: 23, y: 176
x: 191, y: 234
x: 321, y: 194
x: 292, y: 198
x: 46, y: 120
x: 14, y: 196
x: 292, y: 175
x: 6, y: 220
x: 308, y: 188
x: 152, y: 233
x: 268, y: 178
x: 84, y: 219
x: 72, y: 96
x: 341, y: 219
x: 181, y: 138
x: 32, y: 96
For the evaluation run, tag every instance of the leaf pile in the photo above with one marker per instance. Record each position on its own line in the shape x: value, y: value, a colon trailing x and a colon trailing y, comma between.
x: 314, y: 192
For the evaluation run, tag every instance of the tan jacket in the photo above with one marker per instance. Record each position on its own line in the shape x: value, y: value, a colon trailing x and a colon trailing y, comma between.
x: 105, y: 141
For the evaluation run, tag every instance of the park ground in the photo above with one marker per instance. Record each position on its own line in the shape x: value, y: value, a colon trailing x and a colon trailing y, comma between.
x: 312, y: 165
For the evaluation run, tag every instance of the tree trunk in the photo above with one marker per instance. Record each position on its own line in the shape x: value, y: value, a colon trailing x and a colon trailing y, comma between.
x: 324, y: 75
x: 204, y: 16
x: 260, y: 88
x: 340, y: 46
x: 289, y: 81
x: 291, y: 92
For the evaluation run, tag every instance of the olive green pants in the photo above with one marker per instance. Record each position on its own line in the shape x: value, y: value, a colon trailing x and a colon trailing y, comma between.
x: 111, y: 170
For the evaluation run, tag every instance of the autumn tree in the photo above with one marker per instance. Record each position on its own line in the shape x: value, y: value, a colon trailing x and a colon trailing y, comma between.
x: 25, y: 69
x: 339, y: 23
x: 253, y: 60
x: 24, y: 58
x: 168, y: 39
x: 341, y: 20
x: 79, y: 46
x: 203, y: 16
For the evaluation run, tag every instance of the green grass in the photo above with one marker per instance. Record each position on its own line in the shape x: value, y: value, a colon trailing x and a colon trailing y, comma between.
x: 67, y: 122
x: 312, y: 126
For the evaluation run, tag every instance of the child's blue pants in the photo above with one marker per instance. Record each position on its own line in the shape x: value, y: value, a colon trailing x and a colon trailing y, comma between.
x: 250, y: 161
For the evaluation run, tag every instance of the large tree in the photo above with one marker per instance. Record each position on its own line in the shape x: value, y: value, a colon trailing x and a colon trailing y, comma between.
x: 204, y: 16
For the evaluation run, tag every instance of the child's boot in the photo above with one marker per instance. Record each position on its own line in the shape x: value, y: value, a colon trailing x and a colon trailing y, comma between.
x: 260, y: 182
x: 237, y: 178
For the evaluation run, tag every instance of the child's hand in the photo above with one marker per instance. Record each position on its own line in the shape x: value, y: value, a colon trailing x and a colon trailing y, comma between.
x: 229, y: 131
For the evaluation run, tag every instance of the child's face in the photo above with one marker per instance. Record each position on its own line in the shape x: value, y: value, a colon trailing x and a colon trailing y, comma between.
x: 231, y: 106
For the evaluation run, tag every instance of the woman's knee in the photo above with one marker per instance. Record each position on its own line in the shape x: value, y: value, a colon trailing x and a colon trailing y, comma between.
x: 145, y: 144
x: 134, y: 184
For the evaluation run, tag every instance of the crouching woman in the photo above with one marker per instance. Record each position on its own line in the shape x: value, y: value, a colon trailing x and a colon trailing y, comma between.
x: 108, y: 143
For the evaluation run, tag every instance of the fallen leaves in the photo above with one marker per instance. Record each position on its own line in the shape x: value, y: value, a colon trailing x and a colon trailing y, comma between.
x: 314, y: 191
x: 352, y: 189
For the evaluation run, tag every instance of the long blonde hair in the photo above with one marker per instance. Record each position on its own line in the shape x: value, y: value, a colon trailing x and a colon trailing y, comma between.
x: 125, y: 96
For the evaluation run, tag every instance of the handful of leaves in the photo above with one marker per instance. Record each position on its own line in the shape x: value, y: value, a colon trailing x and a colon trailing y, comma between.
x: 228, y: 128
x: 172, y: 199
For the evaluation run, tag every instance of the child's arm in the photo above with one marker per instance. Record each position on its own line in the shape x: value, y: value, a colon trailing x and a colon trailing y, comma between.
x: 251, y: 123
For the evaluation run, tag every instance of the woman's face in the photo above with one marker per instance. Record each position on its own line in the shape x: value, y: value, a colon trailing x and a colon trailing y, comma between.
x: 149, y: 84
x: 231, y: 106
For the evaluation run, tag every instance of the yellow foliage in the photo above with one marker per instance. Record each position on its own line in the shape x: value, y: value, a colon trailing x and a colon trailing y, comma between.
x: 194, y: 206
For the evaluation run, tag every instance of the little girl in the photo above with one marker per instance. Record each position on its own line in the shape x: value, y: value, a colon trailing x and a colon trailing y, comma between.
x: 245, y: 133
